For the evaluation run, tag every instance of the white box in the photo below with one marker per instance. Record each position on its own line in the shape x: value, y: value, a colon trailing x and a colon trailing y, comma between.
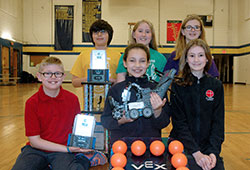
x: 84, y: 125
x: 98, y: 59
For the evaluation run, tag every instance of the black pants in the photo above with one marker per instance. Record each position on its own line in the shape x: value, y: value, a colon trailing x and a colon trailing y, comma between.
x: 192, y: 165
x: 34, y: 159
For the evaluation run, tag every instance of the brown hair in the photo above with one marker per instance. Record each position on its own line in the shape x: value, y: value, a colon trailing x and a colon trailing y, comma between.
x: 152, y: 43
x: 49, y: 61
x: 181, y: 39
x: 99, y: 25
x: 184, y: 69
x: 136, y: 46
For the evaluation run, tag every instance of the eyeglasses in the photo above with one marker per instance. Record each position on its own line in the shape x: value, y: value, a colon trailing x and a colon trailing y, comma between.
x: 196, y: 27
x: 50, y: 74
x: 100, y: 31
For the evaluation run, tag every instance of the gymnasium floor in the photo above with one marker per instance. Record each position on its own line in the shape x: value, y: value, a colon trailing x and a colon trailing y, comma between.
x: 235, y: 150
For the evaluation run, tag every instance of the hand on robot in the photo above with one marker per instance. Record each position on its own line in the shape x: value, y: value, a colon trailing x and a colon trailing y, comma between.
x: 157, y: 103
x: 124, y: 120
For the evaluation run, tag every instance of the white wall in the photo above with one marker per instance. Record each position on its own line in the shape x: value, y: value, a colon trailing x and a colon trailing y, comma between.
x: 221, y: 31
x: 241, y: 63
x: 241, y: 74
x: 119, y: 13
x: 233, y: 10
x: 244, y: 22
x: 34, y: 23
x: 37, y: 22
x: 39, y: 18
x: 11, y: 20
x: 179, y: 9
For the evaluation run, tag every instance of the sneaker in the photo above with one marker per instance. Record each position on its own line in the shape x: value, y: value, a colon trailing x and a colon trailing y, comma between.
x: 96, y: 158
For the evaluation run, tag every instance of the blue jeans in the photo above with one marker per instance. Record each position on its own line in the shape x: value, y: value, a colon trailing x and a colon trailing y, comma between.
x: 34, y: 159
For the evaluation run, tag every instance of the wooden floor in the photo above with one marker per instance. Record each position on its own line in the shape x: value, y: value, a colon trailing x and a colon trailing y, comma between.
x: 235, y: 150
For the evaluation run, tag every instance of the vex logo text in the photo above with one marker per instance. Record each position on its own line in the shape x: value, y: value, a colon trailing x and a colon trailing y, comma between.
x: 149, y: 165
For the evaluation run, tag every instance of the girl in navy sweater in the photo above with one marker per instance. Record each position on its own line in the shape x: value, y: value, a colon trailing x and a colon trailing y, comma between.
x: 136, y: 60
x: 198, y: 108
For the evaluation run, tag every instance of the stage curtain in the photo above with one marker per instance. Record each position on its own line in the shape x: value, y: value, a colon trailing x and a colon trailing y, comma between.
x: 64, y: 21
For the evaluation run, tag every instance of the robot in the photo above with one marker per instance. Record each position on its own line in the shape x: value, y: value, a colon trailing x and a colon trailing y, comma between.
x: 142, y: 107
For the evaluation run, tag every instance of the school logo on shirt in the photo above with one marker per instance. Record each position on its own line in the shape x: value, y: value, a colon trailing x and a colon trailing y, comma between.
x: 209, y: 95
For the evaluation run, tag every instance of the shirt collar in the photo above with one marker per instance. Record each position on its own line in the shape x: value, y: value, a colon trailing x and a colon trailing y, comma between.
x: 133, y: 79
x: 44, y: 97
x: 195, y: 79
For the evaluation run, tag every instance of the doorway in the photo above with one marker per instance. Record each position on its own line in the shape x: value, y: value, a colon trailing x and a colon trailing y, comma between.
x: 5, y: 64
x: 224, y: 63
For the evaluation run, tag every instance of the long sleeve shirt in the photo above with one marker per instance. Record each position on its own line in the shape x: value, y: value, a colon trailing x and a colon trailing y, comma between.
x: 141, y: 127
x: 198, y: 115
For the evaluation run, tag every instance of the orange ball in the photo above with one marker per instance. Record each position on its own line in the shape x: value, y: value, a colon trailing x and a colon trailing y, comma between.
x: 182, y: 168
x: 157, y: 148
x: 117, y: 168
x: 118, y: 160
x: 138, y: 148
x: 119, y: 147
x: 179, y: 160
x: 175, y: 147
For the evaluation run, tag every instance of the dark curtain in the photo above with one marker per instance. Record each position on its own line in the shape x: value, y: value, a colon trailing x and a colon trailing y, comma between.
x: 91, y: 11
x: 64, y: 27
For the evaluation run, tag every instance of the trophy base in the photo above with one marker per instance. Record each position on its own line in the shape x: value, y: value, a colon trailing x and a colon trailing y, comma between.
x: 98, y: 75
x: 81, y: 141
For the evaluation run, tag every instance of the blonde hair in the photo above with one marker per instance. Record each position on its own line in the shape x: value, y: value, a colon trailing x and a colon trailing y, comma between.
x: 184, y: 69
x: 49, y: 61
x: 181, y: 39
x: 152, y: 43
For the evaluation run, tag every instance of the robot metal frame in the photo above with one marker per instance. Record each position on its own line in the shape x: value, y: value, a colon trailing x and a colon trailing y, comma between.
x: 141, y: 107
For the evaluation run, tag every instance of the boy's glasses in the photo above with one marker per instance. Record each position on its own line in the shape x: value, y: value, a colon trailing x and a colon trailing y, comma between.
x: 196, y: 27
x: 100, y: 31
x: 50, y: 74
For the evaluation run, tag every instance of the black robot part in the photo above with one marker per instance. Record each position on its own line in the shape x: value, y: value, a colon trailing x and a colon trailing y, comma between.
x: 143, y: 104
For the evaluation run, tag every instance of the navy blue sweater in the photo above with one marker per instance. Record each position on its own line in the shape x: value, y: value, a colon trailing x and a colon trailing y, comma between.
x: 198, y: 115
x: 141, y: 127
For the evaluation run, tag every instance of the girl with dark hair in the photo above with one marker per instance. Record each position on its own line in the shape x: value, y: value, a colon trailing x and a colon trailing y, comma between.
x: 136, y: 60
x: 101, y: 35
